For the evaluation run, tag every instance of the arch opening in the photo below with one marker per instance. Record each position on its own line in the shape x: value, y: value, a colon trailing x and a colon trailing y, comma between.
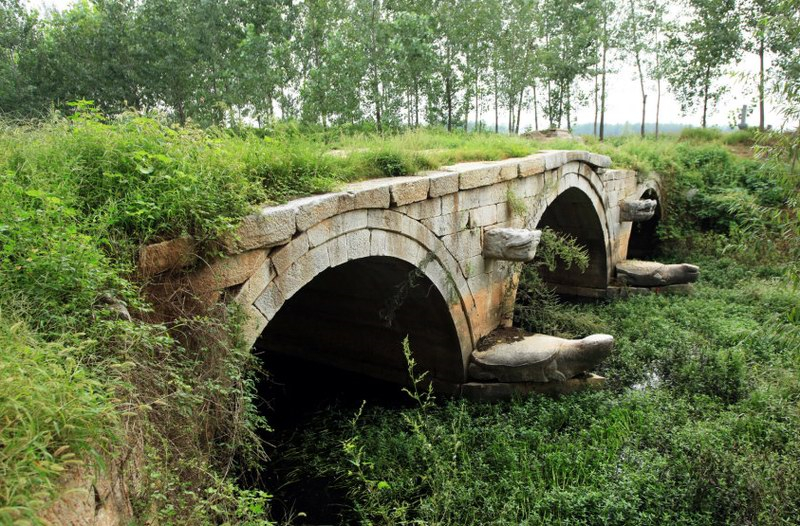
x: 573, y: 213
x: 644, y: 241
x: 355, y: 316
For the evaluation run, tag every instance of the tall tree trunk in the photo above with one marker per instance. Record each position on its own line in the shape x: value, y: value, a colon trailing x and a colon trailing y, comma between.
x: 569, y: 109
x: 603, y: 84
x: 378, y: 122
x: 560, y: 105
x: 761, y: 84
x: 706, y: 82
x: 658, y: 102
x: 535, y: 108
x: 416, y: 103
x: 181, y: 113
x: 477, y: 103
x: 409, y: 108
x: 496, y: 109
x: 596, y: 89
x: 449, y: 96
x: 510, y: 114
x: 519, y: 110
x: 641, y: 86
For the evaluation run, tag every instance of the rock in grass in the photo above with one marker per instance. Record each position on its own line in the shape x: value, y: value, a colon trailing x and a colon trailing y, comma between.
x: 654, y: 274
x: 540, y: 358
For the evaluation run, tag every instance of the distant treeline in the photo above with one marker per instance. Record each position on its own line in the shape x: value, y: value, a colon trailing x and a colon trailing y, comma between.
x: 391, y: 63
x: 628, y: 128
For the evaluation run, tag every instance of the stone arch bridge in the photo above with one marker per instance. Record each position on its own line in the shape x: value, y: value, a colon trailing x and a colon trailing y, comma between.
x: 342, y: 278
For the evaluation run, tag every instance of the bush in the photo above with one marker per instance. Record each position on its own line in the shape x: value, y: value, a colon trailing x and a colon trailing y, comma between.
x: 700, y: 134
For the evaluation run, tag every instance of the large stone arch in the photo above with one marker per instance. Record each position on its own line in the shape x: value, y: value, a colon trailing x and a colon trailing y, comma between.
x: 578, y: 206
x: 358, y: 235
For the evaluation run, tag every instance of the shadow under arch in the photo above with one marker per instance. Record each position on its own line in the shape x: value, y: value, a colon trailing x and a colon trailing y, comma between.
x: 644, y: 242
x: 355, y: 316
x: 573, y: 212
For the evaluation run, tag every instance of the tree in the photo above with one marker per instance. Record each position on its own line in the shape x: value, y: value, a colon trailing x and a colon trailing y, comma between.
x: 19, y: 35
x: 639, y: 33
x: 700, y: 50
x: 756, y: 15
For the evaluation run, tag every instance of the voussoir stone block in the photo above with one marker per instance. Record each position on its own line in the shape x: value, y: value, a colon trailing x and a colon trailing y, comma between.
x: 577, y: 155
x: 358, y: 244
x: 423, y: 209
x: 464, y: 244
x: 269, y: 301
x: 272, y: 226
x: 256, y: 284
x: 284, y: 256
x: 303, y: 271
x: 511, y: 244
x: 254, y: 324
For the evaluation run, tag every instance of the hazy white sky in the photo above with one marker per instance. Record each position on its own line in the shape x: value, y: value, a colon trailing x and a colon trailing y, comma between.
x: 623, y: 102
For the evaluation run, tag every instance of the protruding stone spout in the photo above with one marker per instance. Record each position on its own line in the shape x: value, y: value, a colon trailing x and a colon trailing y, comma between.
x: 654, y: 274
x: 539, y: 358
x: 637, y: 210
x: 511, y: 244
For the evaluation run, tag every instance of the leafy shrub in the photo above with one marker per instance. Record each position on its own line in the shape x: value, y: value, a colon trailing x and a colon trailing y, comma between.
x: 741, y: 137
x: 700, y: 134
x: 392, y: 164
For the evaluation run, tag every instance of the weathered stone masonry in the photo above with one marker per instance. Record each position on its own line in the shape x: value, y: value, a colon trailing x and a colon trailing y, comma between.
x: 436, y: 222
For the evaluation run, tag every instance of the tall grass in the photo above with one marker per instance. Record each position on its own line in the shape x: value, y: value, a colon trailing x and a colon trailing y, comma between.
x: 54, y: 414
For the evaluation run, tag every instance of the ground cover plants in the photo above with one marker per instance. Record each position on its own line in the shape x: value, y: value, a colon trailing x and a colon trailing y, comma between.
x: 85, y: 373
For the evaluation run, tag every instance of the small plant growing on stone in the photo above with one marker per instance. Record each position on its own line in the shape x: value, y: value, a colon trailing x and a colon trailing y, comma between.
x: 516, y: 204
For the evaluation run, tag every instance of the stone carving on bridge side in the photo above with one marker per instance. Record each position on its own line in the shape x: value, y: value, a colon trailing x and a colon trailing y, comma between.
x: 637, y: 273
x: 637, y: 210
x: 538, y: 358
x: 511, y: 244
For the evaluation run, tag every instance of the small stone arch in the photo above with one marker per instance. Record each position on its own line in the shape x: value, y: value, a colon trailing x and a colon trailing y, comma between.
x: 643, y: 241
x: 366, y: 234
x: 577, y: 207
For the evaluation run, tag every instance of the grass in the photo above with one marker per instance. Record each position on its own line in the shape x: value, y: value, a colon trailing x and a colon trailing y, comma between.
x: 54, y: 414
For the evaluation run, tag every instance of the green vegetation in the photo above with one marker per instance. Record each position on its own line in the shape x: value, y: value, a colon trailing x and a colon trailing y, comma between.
x: 53, y: 413
x: 79, y: 196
